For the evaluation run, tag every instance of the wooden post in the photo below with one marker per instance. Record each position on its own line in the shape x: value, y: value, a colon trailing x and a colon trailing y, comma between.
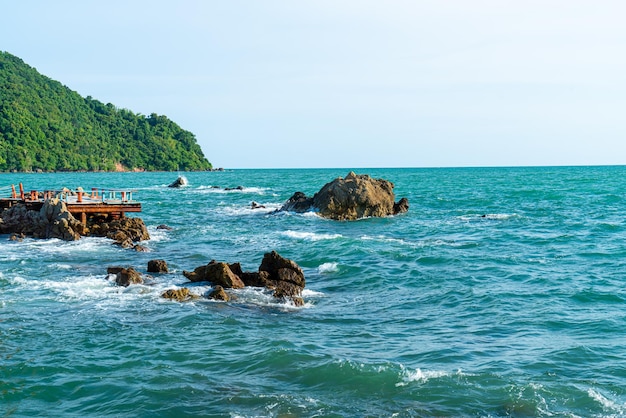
x: 123, y: 196
x: 80, y: 196
x: 83, y: 218
x: 33, y: 195
x: 94, y: 193
x: 21, y: 191
x: 13, y: 193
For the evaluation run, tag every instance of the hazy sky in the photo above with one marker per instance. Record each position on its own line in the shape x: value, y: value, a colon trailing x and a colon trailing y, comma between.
x: 354, y: 83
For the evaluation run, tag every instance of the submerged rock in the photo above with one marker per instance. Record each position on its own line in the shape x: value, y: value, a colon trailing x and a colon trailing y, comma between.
x: 218, y: 293
x: 125, y: 231
x: 180, y: 295
x: 126, y: 276
x: 353, y: 197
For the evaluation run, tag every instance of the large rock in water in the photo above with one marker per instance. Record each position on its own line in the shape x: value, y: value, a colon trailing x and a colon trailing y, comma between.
x: 350, y: 198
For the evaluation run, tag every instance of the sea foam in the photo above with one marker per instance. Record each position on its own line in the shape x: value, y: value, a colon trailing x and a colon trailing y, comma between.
x: 328, y: 268
x: 310, y: 236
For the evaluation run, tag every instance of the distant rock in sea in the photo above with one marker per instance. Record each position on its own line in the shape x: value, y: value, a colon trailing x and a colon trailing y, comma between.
x: 353, y: 197
x: 181, y: 181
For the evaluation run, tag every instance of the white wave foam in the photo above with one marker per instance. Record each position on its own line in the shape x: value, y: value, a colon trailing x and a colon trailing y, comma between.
x: 383, y: 239
x: 158, y: 235
x: 263, y: 297
x: 328, y: 268
x: 310, y: 236
x: 308, y: 293
x: 60, y: 266
x: 248, y: 211
x: 420, y: 376
x: 606, y: 403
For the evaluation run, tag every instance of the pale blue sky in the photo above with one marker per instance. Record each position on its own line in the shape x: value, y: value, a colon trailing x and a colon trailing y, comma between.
x: 317, y: 83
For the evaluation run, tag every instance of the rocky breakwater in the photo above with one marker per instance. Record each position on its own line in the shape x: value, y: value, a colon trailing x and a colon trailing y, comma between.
x: 353, y: 197
x: 54, y: 220
x: 281, y: 275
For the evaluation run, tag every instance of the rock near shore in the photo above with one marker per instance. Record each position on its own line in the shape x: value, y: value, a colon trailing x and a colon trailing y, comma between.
x: 353, y: 197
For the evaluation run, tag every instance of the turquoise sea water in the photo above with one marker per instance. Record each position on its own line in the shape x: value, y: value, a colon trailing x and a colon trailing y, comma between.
x: 500, y: 293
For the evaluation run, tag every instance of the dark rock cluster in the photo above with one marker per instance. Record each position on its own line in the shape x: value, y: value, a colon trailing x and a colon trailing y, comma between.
x: 281, y: 275
x: 276, y: 273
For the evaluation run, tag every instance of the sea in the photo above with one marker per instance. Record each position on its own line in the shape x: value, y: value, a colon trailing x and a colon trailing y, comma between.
x: 501, y: 293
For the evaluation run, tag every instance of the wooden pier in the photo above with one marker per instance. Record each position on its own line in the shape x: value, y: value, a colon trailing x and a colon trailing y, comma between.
x: 105, y: 203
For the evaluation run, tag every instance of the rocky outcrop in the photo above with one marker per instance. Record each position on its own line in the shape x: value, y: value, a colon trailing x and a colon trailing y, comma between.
x: 157, y: 266
x: 53, y: 220
x: 276, y: 273
x: 353, y: 197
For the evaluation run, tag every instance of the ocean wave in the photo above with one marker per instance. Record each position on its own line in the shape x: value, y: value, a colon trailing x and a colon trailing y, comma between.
x: 310, y: 236
x: 488, y: 216
x: 427, y: 243
x: 248, y: 211
x: 308, y: 293
x: 228, y: 190
x: 328, y: 268
x: 607, y: 404
x: 422, y: 376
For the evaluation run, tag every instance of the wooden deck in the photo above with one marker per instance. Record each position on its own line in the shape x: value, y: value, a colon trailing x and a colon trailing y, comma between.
x: 106, y: 203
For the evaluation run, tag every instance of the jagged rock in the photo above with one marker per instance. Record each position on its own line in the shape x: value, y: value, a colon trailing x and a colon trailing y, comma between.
x: 286, y: 276
x: 349, y: 198
x: 128, y: 276
x: 218, y: 293
x: 181, y: 295
x: 157, y: 266
x: 165, y: 227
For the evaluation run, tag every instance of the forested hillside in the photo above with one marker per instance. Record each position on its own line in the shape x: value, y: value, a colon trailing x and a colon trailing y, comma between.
x: 46, y: 126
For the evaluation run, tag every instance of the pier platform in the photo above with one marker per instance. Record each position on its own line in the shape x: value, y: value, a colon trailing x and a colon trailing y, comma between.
x: 106, y: 203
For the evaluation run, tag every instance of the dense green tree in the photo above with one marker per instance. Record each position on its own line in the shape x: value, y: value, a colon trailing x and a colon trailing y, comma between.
x: 46, y: 126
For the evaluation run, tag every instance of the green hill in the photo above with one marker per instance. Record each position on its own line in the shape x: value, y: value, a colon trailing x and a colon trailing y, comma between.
x: 46, y: 126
